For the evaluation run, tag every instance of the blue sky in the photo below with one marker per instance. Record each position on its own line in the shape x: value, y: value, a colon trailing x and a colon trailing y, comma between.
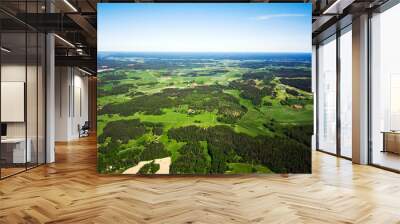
x: 187, y: 27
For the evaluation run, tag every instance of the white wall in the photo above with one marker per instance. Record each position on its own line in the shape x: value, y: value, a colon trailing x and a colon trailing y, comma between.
x: 71, y: 102
x: 80, y: 110
x: 33, y: 126
x: 17, y: 73
x: 13, y: 101
x: 62, y: 82
x: 12, y: 73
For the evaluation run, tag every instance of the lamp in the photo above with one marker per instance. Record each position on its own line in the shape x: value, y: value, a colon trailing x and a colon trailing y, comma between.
x: 5, y: 50
x: 70, y: 5
x: 64, y: 40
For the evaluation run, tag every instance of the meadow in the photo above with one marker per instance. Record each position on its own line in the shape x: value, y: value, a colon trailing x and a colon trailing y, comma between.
x: 210, y: 114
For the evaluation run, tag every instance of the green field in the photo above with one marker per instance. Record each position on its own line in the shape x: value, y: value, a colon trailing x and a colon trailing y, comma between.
x: 212, y: 116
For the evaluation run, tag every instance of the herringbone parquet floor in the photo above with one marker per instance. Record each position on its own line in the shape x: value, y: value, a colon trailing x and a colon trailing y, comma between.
x: 70, y: 191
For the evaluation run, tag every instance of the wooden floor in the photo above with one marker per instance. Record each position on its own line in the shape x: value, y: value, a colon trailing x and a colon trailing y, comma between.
x: 387, y: 159
x: 70, y: 191
x: 8, y: 171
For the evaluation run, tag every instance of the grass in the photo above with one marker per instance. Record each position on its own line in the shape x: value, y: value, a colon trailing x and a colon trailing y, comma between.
x: 101, y: 101
x: 283, y: 114
x: 171, y: 145
x: 170, y: 118
x: 251, y: 123
x: 241, y: 168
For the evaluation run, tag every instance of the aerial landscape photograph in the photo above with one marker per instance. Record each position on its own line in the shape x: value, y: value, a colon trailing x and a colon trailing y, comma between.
x: 226, y: 90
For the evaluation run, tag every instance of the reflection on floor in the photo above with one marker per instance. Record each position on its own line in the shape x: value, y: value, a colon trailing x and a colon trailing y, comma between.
x: 387, y: 159
x: 8, y: 170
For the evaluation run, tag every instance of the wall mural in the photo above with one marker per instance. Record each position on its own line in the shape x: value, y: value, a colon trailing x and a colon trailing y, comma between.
x: 204, y: 88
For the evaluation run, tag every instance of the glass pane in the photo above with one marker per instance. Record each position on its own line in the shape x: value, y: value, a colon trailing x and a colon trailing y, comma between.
x: 41, y: 99
x: 327, y: 97
x: 32, y: 86
x: 13, y: 86
x: 346, y: 94
x: 31, y: 98
x: 385, y: 89
x: 314, y: 87
x: 23, y: 89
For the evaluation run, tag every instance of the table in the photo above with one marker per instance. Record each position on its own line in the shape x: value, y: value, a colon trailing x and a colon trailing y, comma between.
x: 391, y: 141
x: 13, y: 150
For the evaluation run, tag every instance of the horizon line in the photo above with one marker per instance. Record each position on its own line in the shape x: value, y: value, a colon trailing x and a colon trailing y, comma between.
x: 123, y: 51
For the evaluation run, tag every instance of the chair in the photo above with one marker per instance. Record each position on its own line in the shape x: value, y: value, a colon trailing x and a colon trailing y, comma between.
x: 84, y: 130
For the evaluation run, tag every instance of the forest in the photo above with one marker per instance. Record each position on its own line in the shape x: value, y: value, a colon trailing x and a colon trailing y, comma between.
x: 204, y: 113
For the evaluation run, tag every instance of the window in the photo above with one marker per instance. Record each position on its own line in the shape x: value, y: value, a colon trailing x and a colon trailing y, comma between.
x: 385, y: 89
x: 346, y: 93
x: 327, y: 96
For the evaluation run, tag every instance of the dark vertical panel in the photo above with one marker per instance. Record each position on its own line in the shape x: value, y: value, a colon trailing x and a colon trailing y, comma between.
x: 73, y: 91
x: 37, y: 90
x: 46, y: 3
x: 369, y: 37
x: 316, y: 100
x: 26, y: 79
x: 338, y: 73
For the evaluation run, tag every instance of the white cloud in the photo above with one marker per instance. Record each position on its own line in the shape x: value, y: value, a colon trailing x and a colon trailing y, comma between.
x: 272, y: 16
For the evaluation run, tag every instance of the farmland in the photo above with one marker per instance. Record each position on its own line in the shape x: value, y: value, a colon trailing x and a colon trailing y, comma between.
x: 210, y: 113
